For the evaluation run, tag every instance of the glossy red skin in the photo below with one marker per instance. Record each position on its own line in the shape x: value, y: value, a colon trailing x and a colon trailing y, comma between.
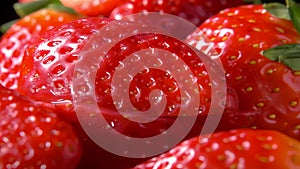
x: 50, y: 58
x: 14, y: 42
x: 49, y: 61
x: 242, y: 148
x: 92, y: 7
x: 31, y: 137
x: 240, y: 35
x: 195, y: 11
x: 145, y: 82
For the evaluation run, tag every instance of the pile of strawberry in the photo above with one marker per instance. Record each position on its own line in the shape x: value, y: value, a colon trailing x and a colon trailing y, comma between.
x: 257, y: 44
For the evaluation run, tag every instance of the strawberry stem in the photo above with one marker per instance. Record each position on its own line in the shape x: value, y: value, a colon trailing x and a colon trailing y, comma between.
x: 288, y: 54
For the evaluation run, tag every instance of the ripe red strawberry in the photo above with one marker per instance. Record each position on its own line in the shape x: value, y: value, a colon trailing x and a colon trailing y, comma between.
x: 235, y: 149
x: 48, y: 67
x: 195, y: 11
x: 48, y: 64
x: 152, y: 79
x: 31, y: 137
x: 240, y: 35
x: 16, y: 39
x: 92, y: 7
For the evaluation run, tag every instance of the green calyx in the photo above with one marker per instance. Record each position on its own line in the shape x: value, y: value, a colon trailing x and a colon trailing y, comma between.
x: 294, y: 11
x: 23, y: 9
x: 277, y: 9
x: 287, y: 54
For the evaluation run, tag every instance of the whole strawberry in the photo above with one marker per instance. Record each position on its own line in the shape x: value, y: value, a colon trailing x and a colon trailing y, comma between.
x: 16, y: 39
x: 241, y: 35
x: 31, y: 137
x: 236, y: 149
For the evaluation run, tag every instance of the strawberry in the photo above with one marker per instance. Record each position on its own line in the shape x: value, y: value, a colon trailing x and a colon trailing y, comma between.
x: 152, y: 79
x: 32, y: 137
x: 48, y: 67
x: 236, y: 149
x: 48, y: 64
x: 16, y: 39
x: 92, y: 7
x: 51, y: 58
x: 195, y: 11
x: 240, y: 35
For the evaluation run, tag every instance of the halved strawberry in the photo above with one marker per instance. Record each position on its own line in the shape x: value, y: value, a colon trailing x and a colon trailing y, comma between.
x: 236, y: 149
x: 241, y: 35
x: 16, y: 39
x: 32, y: 137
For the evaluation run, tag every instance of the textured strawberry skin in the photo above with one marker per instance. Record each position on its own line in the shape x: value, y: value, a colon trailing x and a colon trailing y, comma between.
x: 93, y: 7
x: 31, y: 137
x: 14, y: 42
x: 49, y: 61
x: 243, y: 148
x: 269, y: 87
x: 195, y: 11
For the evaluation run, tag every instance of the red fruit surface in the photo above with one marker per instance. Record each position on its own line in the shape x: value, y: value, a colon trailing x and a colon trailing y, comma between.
x: 31, y: 137
x: 195, y: 11
x: 269, y: 87
x: 244, y: 148
x: 92, y: 7
x: 48, y: 64
x: 148, y: 80
x: 14, y: 42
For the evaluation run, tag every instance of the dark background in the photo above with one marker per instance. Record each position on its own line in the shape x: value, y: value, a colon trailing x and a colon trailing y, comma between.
x: 7, y: 12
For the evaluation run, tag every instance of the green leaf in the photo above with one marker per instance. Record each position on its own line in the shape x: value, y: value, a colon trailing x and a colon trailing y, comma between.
x: 294, y: 11
x: 6, y: 26
x: 23, y: 9
x: 60, y: 7
x: 277, y: 9
x: 287, y: 54
x: 253, y: 1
